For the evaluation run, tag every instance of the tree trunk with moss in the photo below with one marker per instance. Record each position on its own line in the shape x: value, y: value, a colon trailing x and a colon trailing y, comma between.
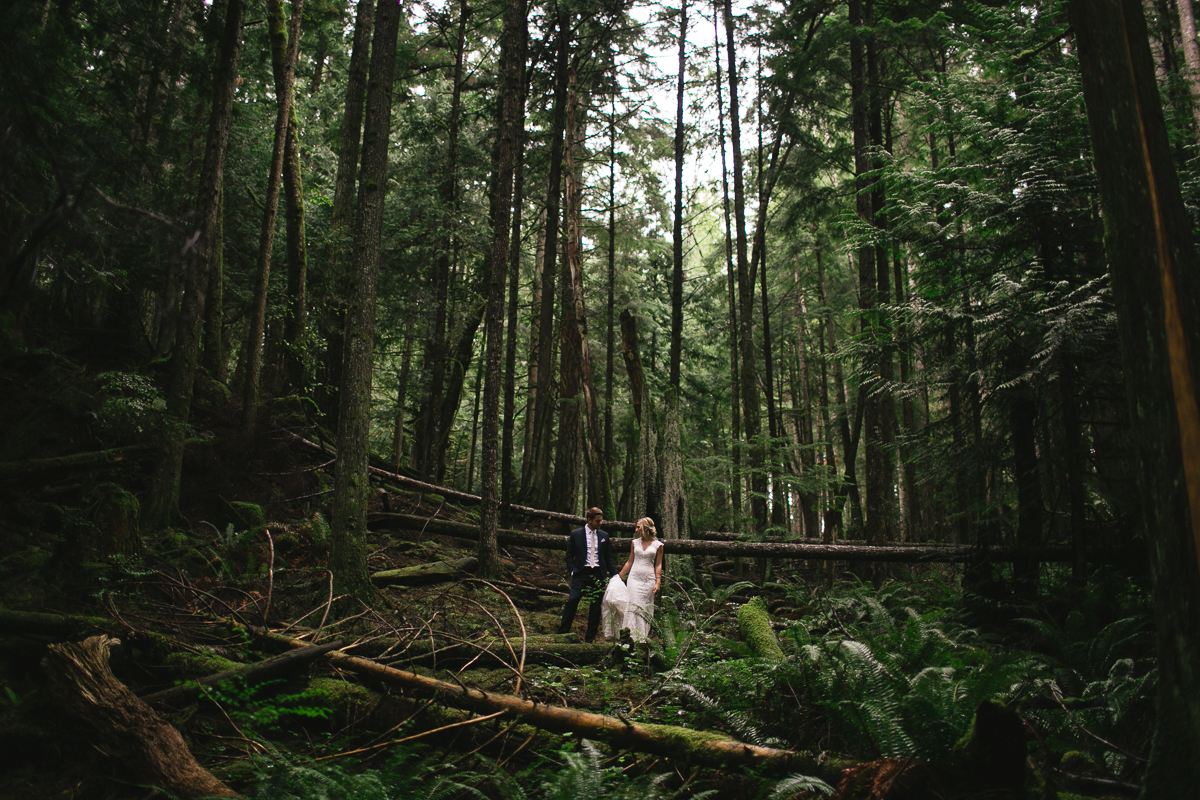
x: 1156, y: 288
x: 163, y: 496
x: 508, y: 121
x: 348, y: 542
x: 284, y: 47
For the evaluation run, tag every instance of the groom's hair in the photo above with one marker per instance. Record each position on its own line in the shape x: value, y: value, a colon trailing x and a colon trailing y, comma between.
x: 594, y: 512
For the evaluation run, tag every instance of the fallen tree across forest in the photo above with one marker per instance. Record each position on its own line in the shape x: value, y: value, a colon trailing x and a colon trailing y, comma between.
x: 474, y: 499
x: 670, y: 741
x: 938, y: 554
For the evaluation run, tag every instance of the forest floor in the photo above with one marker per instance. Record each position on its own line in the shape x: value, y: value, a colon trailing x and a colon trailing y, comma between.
x: 248, y: 555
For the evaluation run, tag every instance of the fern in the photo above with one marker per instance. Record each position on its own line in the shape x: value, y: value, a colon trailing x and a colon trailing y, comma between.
x: 795, y: 784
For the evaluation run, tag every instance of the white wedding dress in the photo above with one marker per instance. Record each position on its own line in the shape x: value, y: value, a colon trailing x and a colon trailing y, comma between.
x: 640, y: 611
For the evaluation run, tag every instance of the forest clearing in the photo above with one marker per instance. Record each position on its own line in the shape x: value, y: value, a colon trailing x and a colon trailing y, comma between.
x: 848, y: 349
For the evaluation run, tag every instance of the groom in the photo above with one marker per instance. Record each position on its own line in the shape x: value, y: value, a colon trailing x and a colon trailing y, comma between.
x: 590, y: 565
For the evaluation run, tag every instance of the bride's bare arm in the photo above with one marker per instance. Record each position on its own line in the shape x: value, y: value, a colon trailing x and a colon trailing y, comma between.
x: 628, y: 564
x: 657, y: 567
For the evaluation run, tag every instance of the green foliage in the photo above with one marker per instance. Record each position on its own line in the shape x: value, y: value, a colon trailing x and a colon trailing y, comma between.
x: 251, y: 707
x: 130, y: 407
x: 406, y: 775
x: 905, y: 681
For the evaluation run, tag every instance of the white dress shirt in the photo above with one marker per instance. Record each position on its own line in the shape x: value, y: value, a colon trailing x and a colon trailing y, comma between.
x: 593, y: 547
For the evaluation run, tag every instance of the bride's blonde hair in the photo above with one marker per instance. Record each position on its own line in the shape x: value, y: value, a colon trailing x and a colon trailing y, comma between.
x: 648, y: 526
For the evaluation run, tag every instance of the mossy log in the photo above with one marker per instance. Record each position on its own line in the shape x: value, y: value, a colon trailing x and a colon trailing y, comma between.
x: 754, y: 624
x: 664, y: 740
x: 49, y: 624
x: 422, y: 574
x: 93, y: 459
x: 492, y: 652
x: 278, y: 665
x: 941, y: 554
x: 152, y: 750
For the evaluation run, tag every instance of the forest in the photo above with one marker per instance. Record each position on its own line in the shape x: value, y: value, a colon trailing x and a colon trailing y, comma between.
x: 324, y: 323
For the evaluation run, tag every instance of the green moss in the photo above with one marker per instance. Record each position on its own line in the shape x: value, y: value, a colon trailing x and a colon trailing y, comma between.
x: 248, y: 514
x: 196, y: 665
x: 754, y: 623
x: 344, y: 696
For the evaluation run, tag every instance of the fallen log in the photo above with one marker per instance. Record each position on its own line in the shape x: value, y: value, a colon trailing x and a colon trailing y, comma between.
x: 474, y: 499
x: 47, y: 623
x: 277, y: 665
x: 911, y: 554
x: 538, y: 650
x: 664, y: 740
x: 423, y: 574
x: 152, y: 750
x: 93, y: 459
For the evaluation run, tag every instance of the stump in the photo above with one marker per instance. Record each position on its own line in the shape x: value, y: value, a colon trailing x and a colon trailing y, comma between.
x: 129, y: 730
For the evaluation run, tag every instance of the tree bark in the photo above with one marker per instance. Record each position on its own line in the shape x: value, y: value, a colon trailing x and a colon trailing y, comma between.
x: 402, y: 395
x: 1156, y: 288
x: 163, y: 495
x: 674, y: 509
x: 334, y: 278
x: 735, y: 482
x: 1191, y: 56
x: 541, y: 413
x: 564, y: 489
x: 751, y: 415
x: 284, y: 47
x: 150, y: 748
x: 348, y: 543
x: 296, y: 324
x: 430, y: 454
x: 508, y: 131
x: 507, y: 474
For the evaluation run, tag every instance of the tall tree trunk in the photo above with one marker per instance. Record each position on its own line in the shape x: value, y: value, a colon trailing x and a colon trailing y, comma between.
x: 610, y: 317
x: 213, y: 358
x: 297, y: 260
x: 348, y: 540
x: 163, y: 495
x: 1156, y: 288
x: 541, y: 411
x: 507, y: 475
x: 402, y: 395
x: 334, y: 279
x: 284, y: 47
x: 1022, y: 414
x: 673, y: 499
x: 470, y: 484
x: 749, y: 373
x: 881, y: 467
x: 430, y: 455
x: 804, y: 422
x: 730, y: 272
x: 861, y: 98
x: 1191, y: 56
x: 531, y: 381
x: 509, y: 124
x: 564, y: 489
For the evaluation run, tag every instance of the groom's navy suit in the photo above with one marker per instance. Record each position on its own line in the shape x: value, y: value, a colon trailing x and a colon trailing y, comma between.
x: 592, y: 580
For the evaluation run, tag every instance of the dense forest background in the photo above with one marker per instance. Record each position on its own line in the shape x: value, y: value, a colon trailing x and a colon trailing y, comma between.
x: 915, y: 276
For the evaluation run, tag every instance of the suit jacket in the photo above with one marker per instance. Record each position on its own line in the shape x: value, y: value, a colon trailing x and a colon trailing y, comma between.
x: 577, y: 552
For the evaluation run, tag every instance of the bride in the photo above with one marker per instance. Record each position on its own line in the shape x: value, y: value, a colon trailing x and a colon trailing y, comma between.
x: 644, y: 570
